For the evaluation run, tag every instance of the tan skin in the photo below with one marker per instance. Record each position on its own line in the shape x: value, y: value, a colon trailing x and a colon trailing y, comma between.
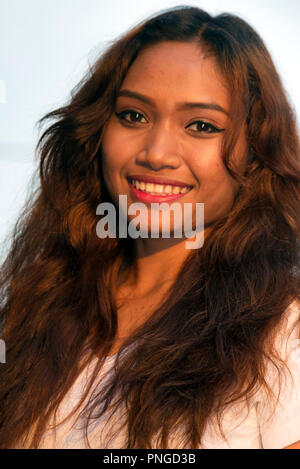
x: 165, y: 140
x: 161, y: 137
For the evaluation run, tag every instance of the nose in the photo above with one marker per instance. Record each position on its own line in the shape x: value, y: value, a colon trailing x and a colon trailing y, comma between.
x: 160, y: 149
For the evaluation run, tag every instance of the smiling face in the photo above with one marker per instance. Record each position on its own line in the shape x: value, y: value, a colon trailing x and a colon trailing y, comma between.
x: 163, y: 142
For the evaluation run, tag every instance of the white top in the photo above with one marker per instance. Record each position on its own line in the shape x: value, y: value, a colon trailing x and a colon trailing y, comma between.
x: 253, y: 427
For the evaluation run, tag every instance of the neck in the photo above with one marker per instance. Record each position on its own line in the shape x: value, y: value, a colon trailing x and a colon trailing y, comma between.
x: 157, y: 263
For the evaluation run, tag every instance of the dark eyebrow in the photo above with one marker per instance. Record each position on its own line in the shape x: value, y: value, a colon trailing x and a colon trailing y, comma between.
x: 180, y: 107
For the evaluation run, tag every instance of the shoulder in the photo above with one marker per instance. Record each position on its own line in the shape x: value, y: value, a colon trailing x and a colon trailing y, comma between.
x: 287, y: 336
x: 279, y: 417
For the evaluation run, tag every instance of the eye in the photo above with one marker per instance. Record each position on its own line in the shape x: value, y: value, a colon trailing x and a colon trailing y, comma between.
x: 131, y: 117
x: 203, y: 127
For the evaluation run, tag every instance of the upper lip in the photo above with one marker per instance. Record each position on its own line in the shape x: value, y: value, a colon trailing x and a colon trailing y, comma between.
x: 158, y: 180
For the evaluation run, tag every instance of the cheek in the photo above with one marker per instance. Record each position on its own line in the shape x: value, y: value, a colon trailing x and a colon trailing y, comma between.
x: 217, y: 181
x: 206, y: 161
x: 111, y: 154
x: 115, y: 154
x: 208, y: 167
x: 109, y: 162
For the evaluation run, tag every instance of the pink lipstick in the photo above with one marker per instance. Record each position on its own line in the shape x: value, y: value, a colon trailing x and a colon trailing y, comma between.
x: 145, y: 197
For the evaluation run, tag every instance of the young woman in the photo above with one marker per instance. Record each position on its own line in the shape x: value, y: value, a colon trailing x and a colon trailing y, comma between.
x: 124, y: 342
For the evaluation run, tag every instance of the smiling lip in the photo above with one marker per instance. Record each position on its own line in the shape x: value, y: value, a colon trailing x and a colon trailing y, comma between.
x: 145, y: 197
x: 157, y: 180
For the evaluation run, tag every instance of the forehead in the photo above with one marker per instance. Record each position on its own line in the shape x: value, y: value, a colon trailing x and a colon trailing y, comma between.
x: 177, y: 71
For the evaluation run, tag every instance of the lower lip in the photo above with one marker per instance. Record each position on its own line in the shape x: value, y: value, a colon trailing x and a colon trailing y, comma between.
x: 148, y: 198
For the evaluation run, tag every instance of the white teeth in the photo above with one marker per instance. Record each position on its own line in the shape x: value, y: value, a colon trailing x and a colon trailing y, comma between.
x: 156, y: 189
x: 149, y: 187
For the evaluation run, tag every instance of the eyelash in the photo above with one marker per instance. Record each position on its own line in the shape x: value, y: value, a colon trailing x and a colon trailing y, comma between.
x: 211, y: 128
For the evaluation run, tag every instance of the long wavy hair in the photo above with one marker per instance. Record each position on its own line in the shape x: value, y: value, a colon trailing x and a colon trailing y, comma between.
x: 208, y: 344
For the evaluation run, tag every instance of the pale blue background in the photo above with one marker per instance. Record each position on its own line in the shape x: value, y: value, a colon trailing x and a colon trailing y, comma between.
x: 45, y: 48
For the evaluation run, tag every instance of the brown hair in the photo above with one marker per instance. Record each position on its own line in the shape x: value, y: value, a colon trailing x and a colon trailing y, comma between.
x: 206, y: 345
